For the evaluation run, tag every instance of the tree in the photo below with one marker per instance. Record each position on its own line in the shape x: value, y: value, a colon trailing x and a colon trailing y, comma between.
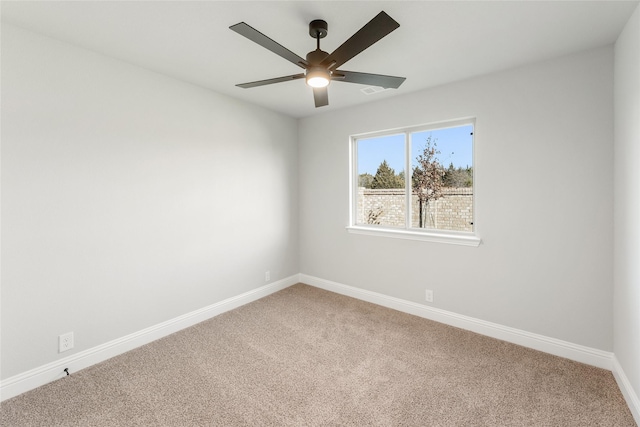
x: 458, y: 177
x: 365, y: 180
x: 427, y: 179
x: 386, y: 177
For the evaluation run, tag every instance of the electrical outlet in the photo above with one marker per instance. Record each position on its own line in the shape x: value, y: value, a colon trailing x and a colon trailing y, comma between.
x: 428, y: 295
x: 65, y: 342
x: 267, y: 276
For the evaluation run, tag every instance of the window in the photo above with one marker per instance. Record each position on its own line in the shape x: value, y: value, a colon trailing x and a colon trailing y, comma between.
x: 433, y: 200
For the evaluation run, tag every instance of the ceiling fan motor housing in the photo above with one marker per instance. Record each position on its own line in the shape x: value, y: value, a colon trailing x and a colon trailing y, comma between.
x: 316, y: 74
x: 315, y: 57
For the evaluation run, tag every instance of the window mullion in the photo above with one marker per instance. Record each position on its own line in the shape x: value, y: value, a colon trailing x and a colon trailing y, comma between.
x: 354, y: 174
x: 407, y: 179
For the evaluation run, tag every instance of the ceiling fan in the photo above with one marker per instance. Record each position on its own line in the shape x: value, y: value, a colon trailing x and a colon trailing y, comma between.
x: 321, y: 67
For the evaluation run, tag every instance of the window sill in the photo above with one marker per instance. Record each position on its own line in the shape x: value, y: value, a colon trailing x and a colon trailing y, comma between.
x: 438, y: 237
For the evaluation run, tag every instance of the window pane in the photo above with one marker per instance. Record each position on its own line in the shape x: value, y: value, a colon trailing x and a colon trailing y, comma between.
x: 442, y: 179
x: 381, y: 196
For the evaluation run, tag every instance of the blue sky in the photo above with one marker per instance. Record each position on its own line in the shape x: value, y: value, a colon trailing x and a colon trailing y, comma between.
x: 455, y: 146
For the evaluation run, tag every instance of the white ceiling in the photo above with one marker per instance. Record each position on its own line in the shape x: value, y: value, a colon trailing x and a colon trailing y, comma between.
x: 437, y: 42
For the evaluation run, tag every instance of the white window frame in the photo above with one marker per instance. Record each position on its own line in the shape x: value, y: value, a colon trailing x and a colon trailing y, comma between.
x: 429, y: 235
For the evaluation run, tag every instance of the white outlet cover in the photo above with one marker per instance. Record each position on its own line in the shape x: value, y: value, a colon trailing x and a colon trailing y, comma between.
x: 428, y: 296
x: 65, y: 342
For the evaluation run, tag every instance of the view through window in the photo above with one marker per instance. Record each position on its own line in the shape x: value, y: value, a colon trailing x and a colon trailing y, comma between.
x: 437, y: 192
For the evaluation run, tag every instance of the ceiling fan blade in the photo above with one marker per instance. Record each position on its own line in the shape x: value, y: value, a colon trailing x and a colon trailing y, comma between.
x: 373, y: 31
x: 368, y: 79
x: 321, y: 96
x: 256, y: 36
x: 271, y: 81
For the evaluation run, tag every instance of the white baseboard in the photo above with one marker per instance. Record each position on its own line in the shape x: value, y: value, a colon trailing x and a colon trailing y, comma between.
x: 627, y: 391
x: 579, y: 353
x: 42, y: 375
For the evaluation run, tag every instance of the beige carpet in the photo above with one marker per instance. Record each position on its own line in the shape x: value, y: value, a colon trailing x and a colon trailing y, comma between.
x: 307, y: 357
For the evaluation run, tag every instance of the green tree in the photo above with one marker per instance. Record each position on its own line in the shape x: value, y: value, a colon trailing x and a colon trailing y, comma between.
x: 365, y: 180
x: 458, y: 177
x: 468, y: 176
x: 386, y: 177
x: 427, y: 179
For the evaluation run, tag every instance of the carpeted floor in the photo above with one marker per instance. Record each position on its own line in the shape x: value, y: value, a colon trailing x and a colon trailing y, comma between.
x: 307, y: 357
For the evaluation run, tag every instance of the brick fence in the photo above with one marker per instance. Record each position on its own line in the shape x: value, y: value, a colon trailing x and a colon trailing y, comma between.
x: 453, y: 211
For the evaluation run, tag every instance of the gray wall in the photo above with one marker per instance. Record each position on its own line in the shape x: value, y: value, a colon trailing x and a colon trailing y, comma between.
x: 112, y: 178
x: 541, y: 268
x: 627, y: 202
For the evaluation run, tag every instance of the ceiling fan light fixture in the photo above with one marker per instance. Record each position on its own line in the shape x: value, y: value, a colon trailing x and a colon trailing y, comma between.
x: 318, y: 77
